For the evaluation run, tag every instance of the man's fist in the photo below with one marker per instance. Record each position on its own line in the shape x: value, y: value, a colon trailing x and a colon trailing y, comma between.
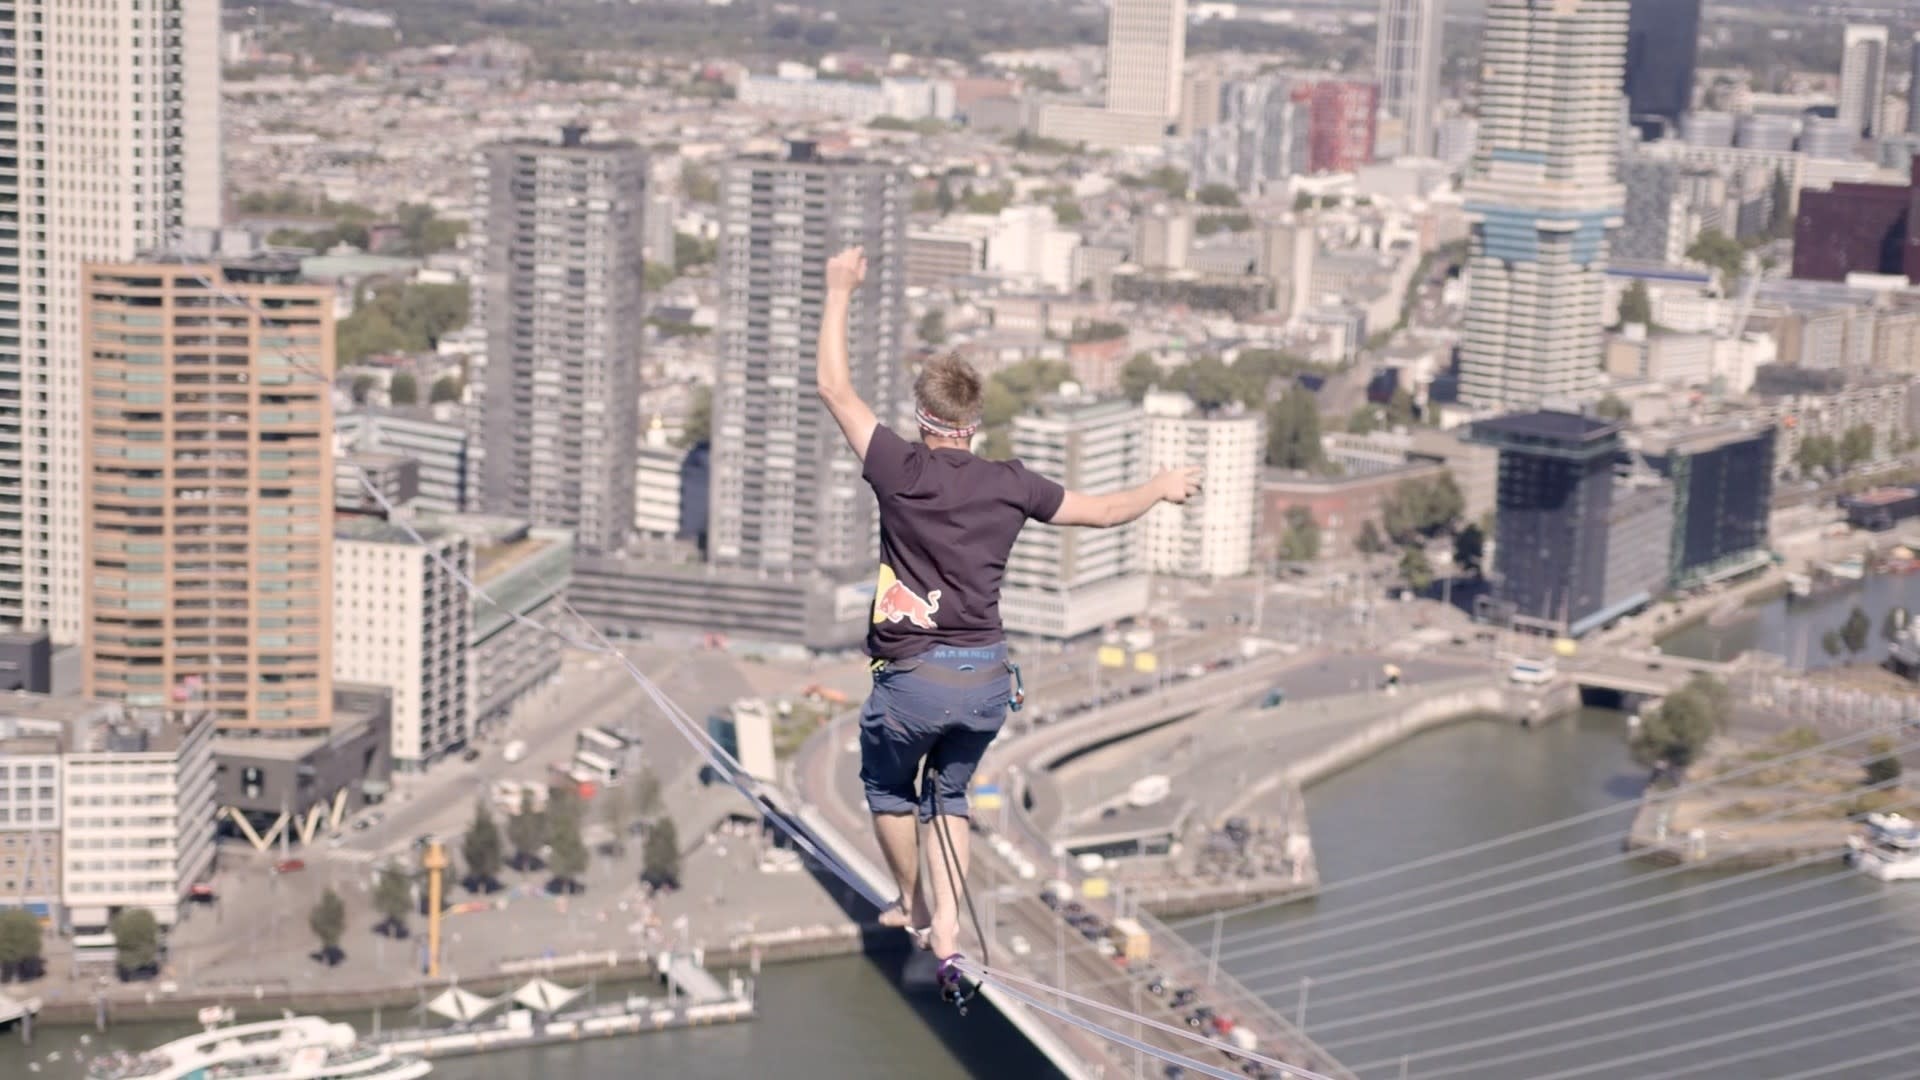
x: 847, y: 270
x: 1179, y: 485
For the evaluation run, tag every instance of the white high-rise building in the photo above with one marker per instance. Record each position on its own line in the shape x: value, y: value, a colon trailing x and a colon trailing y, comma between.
x: 1863, y: 78
x: 1146, y: 57
x: 1543, y: 195
x: 402, y: 620
x: 1408, y: 63
x: 1062, y: 582
x: 1211, y: 536
x: 112, y: 144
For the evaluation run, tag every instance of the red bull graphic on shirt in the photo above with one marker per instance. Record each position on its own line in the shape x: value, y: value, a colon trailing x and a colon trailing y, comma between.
x: 893, y: 601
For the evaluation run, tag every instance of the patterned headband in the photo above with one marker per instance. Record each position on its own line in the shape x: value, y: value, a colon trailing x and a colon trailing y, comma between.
x: 933, y: 425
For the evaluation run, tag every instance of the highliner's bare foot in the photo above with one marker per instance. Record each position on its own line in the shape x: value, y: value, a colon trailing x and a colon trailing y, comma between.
x: 893, y: 918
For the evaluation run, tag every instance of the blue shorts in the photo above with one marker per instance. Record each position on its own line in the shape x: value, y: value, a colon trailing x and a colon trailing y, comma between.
x: 944, y: 706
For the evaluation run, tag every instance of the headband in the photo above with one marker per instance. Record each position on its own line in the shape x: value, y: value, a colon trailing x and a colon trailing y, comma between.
x: 936, y: 426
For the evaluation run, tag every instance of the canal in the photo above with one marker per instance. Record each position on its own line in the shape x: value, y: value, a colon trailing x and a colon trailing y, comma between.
x: 1794, y: 628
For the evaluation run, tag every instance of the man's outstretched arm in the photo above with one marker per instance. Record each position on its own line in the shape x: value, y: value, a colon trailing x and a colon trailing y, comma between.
x: 1119, y: 507
x: 845, y: 271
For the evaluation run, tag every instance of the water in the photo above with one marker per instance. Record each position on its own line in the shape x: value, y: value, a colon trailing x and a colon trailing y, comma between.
x: 1793, y: 628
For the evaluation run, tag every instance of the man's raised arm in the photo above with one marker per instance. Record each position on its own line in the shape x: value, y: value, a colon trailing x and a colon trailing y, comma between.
x: 1119, y: 507
x: 845, y: 272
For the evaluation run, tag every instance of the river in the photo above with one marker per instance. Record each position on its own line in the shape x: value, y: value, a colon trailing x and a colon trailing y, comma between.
x: 1793, y: 629
x: 1373, y: 997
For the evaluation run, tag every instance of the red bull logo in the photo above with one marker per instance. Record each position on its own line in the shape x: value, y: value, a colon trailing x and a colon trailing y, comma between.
x: 893, y: 601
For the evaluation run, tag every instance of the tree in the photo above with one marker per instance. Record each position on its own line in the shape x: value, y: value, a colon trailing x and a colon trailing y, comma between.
x: 1469, y: 549
x: 400, y: 318
x: 403, y: 389
x: 1415, y: 510
x: 1636, y: 305
x: 1208, y: 381
x: 1301, y: 542
x: 660, y: 861
x: 933, y: 327
x: 943, y: 200
x: 1720, y: 253
x: 1830, y: 643
x: 1895, y: 622
x: 699, y: 425
x: 657, y: 274
x: 1679, y: 730
x: 446, y: 388
x: 328, y: 921
x: 1816, y: 452
x: 1884, y: 767
x: 568, y: 851
x: 362, y: 386
x: 1068, y: 212
x: 1217, y: 195
x: 1415, y: 570
x: 1364, y: 420
x: 1856, y: 446
x: 1612, y: 408
x: 1293, y: 431
x: 20, y: 945
x: 526, y: 831
x: 1139, y: 375
x: 698, y: 184
x: 1853, y: 632
x: 1400, y: 408
x: 1780, y: 207
x: 1369, y: 541
x: 136, y: 943
x: 690, y: 251
x: 482, y: 849
x: 392, y: 896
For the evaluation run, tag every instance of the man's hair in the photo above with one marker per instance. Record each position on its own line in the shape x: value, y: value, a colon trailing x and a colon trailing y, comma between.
x: 949, y: 389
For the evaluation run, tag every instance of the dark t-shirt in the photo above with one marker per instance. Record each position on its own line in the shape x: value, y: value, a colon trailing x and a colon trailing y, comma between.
x: 948, y: 520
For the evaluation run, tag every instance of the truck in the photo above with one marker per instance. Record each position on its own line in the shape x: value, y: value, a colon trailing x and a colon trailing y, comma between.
x: 1130, y: 940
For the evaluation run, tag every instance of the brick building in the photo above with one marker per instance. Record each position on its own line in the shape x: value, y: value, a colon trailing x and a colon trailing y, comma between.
x: 1859, y: 229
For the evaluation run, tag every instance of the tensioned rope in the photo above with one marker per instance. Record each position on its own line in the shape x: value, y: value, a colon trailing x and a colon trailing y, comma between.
x: 726, y: 766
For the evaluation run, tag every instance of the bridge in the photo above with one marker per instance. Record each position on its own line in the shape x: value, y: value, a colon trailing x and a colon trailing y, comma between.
x: 1645, y: 674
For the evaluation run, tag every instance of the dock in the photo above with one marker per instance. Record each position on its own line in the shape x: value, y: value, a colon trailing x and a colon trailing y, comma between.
x: 18, y: 1010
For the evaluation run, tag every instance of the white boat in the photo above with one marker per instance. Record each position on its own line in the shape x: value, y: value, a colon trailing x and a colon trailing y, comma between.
x: 297, y: 1048
x: 1800, y: 585
x: 1889, y: 849
x: 1852, y: 569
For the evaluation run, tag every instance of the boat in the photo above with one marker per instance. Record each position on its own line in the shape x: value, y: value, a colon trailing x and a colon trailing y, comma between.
x: 1800, y: 586
x: 1889, y: 849
x: 302, y: 1047
x: 1853, y: 569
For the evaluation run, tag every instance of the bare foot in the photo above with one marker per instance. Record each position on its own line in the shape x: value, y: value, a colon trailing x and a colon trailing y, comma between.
x: 893, y: 918
x: 943, y: 941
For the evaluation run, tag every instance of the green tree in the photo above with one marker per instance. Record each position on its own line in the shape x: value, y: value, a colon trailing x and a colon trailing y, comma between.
x: 526, y: 831
x: 446, y: 388
x: 1856, y: 447
x: 362, y: 386
x: 1612, y: 408
x: 1068, y: 212
x: 1092, y: 330
x: 400, y: 318
x: 1217, y: 195
x: 1830, y: 643
x: 1170, y: 180
x: 136, y: 942
x: 1780, y: 222
x: 933, y: 327
x: 1883, y: 767
x: 1415, y: 509
x: 1293, y: 431
x: 1469, y: 549
x: 1895, y: 622
x: 660, y: 860
x: 1854, y: 632
x: 1415, y: 570
x: 699, y: 425
x: 392, y: 898
x: 1679, y: 730
x: 423, y: 233
x: 656, y: 275
x: 20, y: 945
x: 691, y: 251
x: 403, y: 389
x: 1301, y: 541
x: 1369, y: 542
x: 482, y: 849
x: 1400, y: 408
x: 1208, y: 381
x: 569, y: 850
x: 698, y: 185
x: 1139, y: 375
x: 1720, y: 253
x: 1364, y: 420
x: 1816, y: 452
x: 1636, y: 305
x: 943, y: 200
x: 328, y: 921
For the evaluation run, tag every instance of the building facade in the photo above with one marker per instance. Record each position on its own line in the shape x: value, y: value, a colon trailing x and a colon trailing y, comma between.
x: 1543, y: 196
x: 1345, y: 114
x: 1260, y: 139
x: 1407, y: 59
x: 1663, y: 45
x: 1722, y: 481
x: 210, y: 475
x: 98, y: 174
x: 31, y: 812
x: 1859, y: 229
x: 786, y: 493
x: 1062, y: 583
x: 557, y: 240
x: 1211, y: 536
x: 1863, y: 78
x: 1146, y: 57
x: 439, y: 447
x: 402, y: 619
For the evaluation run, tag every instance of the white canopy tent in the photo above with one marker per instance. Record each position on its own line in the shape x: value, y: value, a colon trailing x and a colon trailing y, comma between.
x: 460, y: 1006
x: 543, y: 996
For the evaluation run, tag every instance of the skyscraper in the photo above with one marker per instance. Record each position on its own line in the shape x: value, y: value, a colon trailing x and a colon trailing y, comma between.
x: 1408, y: 62
x: 209, y: 473
x: 1913, y: 89
x: 1863, y: 77
x: 558, y: 237
x: 1663, y: 44
x: 785, y: 493
x: 1543, y: 194
x: 112, y: 136
x: 1146, y: 56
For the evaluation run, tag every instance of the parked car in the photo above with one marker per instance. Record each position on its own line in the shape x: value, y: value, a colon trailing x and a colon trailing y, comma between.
x: 288, y: 866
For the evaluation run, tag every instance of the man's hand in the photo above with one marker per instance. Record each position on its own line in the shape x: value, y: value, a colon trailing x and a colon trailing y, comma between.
x: 1178, y: 485
x: 846, y: 271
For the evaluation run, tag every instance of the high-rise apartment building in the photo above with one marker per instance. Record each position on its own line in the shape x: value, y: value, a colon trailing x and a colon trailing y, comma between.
x: 1062, y: 583
x: 1408, y: 65
x: 1863, y: 78
x: 1543, y: 194
x: 1146, y: 57
x: 1260, y: 138
x: 403, y: 620
x: 112, y: 144
x: 786, y: 494
x: 1212, y: 535
x: 1663, y: 45
x: 557, y: 237
x: 209, y: 479
x: 1345, y: 115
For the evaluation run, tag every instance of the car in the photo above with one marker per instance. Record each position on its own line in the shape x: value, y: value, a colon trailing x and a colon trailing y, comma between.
x: 202, y: 892
x: 472, y: 754
x: 1019, y: 945
x: 289, y: 866
x: 1183, y: 997
x: 1091, y: 932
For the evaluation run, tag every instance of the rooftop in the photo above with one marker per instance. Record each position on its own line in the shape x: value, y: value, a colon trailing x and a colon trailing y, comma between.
x: 378, y: 530
x: 1661, y: 442
x: 81, y: 725
x: 1562, y: 427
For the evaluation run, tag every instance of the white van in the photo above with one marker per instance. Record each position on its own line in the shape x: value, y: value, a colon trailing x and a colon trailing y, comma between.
x: 1532, y: 672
